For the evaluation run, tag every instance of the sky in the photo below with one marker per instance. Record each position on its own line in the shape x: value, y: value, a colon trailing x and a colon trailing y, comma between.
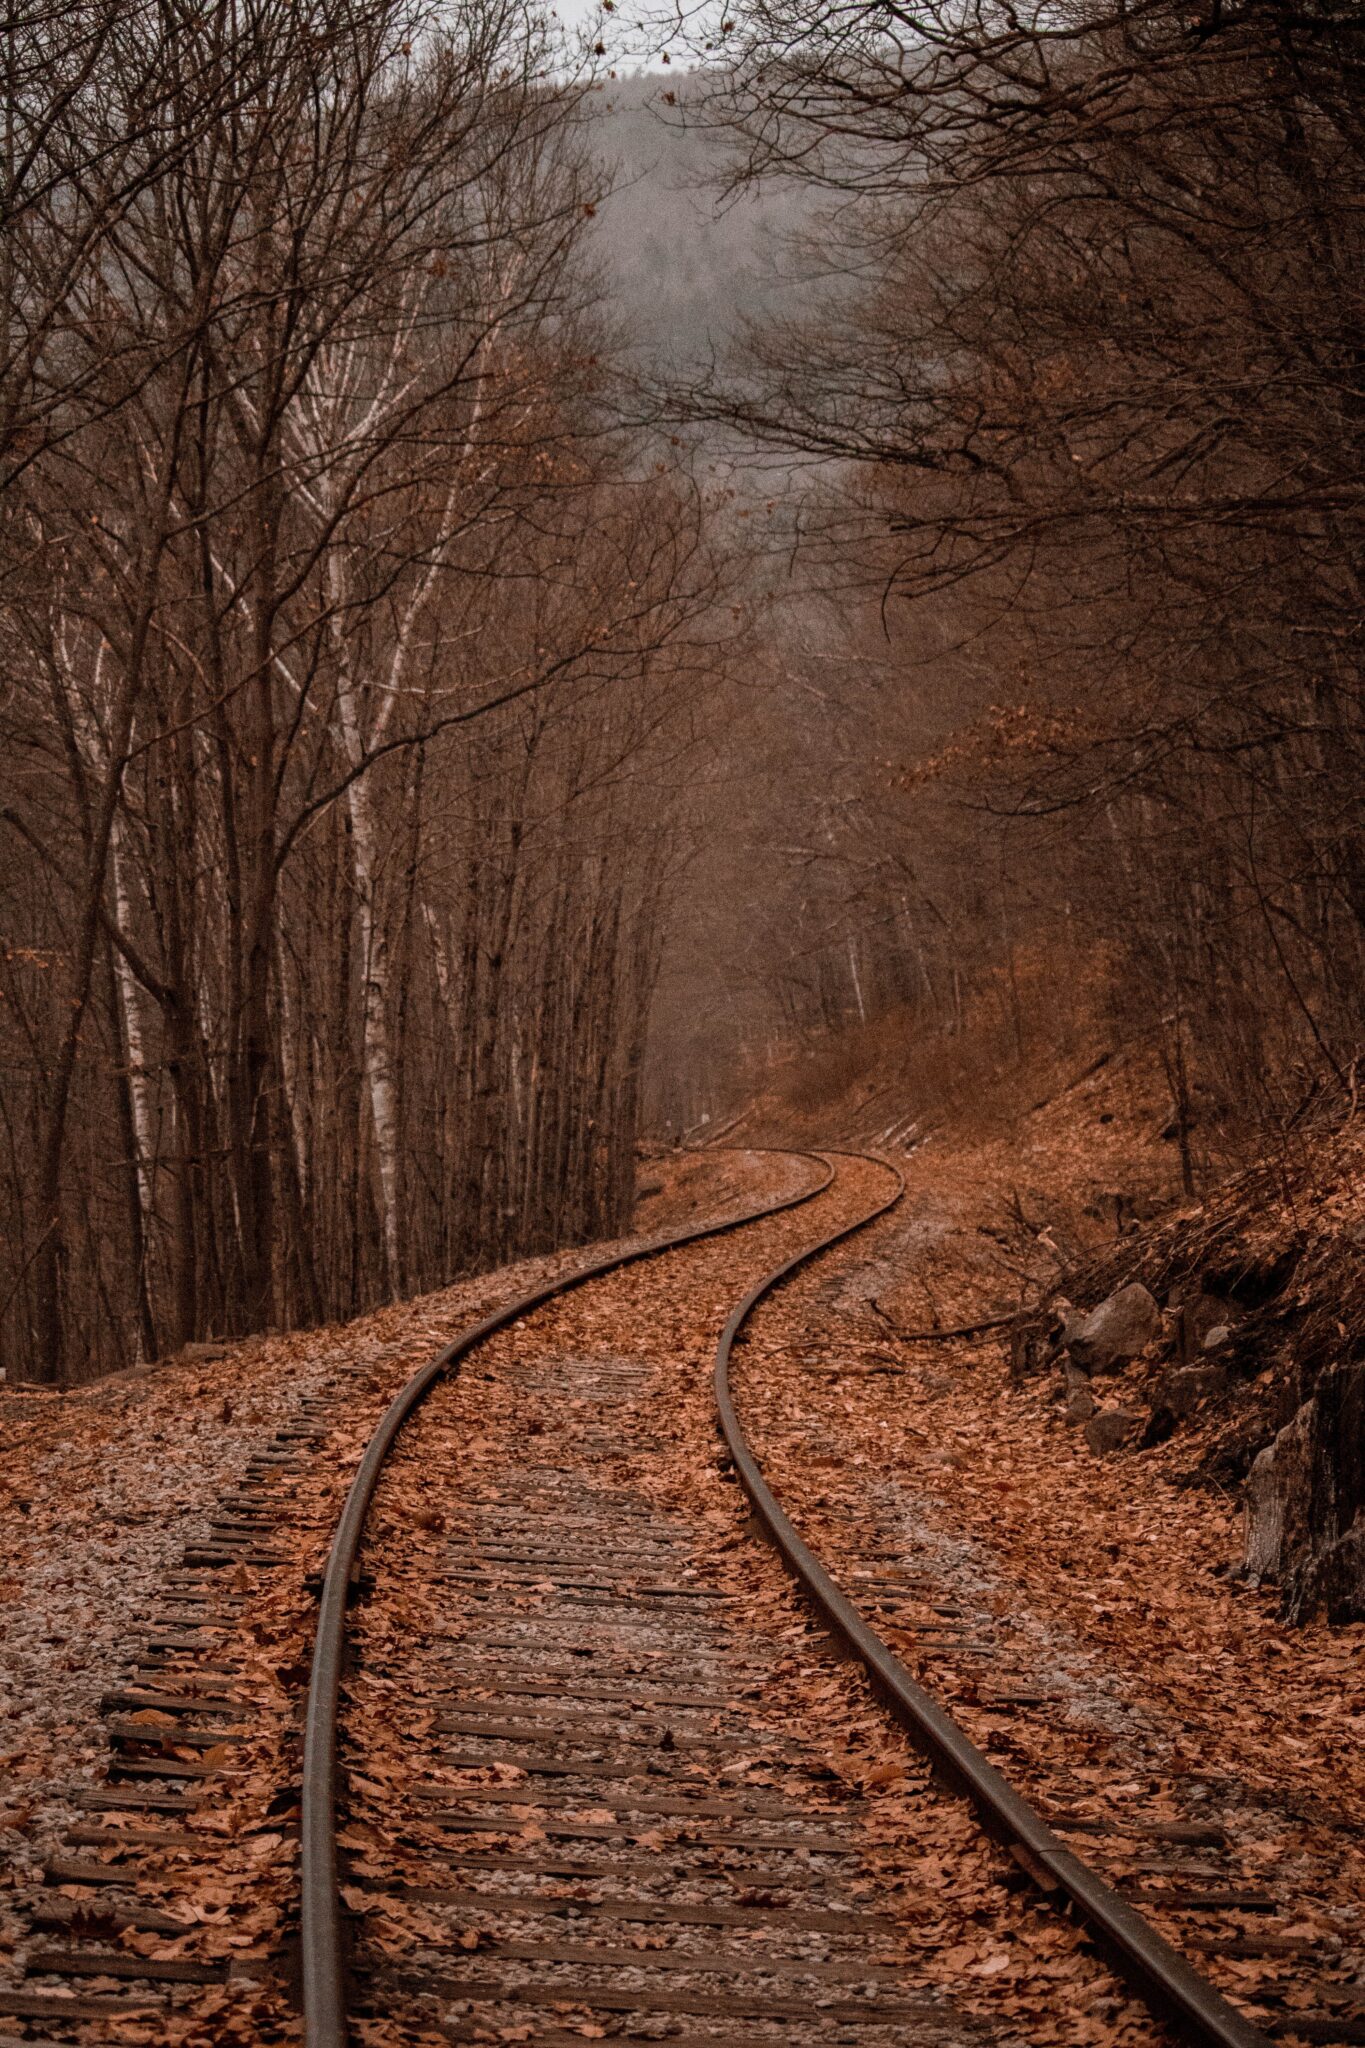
x: 581, y: 14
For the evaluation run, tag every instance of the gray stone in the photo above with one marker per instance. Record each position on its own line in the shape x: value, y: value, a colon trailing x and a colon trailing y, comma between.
x: 1121, y: 1328
x: 1305, y: 1503
x: 1080, y: 1402
x: 1278, y: 1497
x: 1219, y: 1334
x: 1334, y: 1583
x: 1110, y: 1429
x: 1181, y: 1392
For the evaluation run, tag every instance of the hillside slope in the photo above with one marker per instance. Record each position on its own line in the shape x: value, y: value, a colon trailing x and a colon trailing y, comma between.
x: 1040, y: 1195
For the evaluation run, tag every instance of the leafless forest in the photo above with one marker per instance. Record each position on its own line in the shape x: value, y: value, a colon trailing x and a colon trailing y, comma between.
x: 682, y: 1009
x: 351, y: 651
x: 458, y: 711
x: 1076, y: 381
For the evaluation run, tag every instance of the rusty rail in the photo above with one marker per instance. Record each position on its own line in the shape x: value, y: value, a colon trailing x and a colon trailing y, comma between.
x: 322, y: 1947
x: 1159, y: 1974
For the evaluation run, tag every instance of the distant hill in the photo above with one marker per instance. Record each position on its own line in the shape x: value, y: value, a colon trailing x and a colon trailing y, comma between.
x: 686, y: 270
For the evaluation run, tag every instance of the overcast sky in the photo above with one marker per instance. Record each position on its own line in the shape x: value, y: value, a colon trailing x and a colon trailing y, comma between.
x: 580, y: 14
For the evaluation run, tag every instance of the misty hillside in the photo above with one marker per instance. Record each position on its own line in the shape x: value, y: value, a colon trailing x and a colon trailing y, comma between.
x: 687, y: 266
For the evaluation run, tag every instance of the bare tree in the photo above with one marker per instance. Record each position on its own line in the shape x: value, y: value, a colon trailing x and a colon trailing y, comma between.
x: 335, y: 561
x: 1079, y: 377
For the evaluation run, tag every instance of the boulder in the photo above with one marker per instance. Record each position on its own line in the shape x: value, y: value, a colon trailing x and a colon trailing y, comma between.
x: 1334, y: 1583
x: 1305, y: 1503
x: 1180, y: 1393
x: 1110, y: 1429
x: 1080, y: 1402
x: 1032, y: 1348
x: 1279, y: 1496
x: 1121, y: 1328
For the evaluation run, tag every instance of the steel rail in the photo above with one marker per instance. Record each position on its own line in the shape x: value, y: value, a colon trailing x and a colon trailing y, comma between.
x: 1161, y: 1976
x: 322, y: 1950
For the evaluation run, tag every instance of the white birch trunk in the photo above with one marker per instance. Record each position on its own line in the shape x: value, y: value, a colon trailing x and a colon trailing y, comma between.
x: 376, y: 1039
x: 440, y: 955
x: 139, y: 1088
x: 293, y: 1101
x: 321, y: 419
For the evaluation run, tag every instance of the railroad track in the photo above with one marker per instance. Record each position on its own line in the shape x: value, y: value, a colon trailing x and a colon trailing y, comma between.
x: 119, y: 1940
x: 564, y: 1787
x: 111, y: 1943
x: 1250, y: 1877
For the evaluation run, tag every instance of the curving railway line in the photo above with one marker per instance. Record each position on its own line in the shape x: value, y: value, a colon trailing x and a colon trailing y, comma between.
x: 566, y: 1771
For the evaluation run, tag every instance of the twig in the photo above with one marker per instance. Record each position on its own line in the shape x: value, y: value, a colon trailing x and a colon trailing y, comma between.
x: 1067, y: 1086
x: 933, y: 1336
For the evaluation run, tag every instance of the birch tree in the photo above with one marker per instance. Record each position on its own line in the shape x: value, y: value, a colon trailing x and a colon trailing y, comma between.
x: 333, y: 579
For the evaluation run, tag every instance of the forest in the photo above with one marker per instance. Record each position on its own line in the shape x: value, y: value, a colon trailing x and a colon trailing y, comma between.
x: 1069, y: 382
x: 351, y: 652
x: 498, y: 646
x: 682, y: 1003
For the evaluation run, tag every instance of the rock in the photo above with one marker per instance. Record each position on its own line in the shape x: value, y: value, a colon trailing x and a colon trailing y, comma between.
x: 1080, y: 1402
x: 1305, y: 1503
x: 1334, y: 1583
x: 1219, y: 1334
x: 1119, y: 1329
x: 1278, y: 1494
x: 1181, y: 1392
x: 1033, y: 1347
x: 1110, y: 1429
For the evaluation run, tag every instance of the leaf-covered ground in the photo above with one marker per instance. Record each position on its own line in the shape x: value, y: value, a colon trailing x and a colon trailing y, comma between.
x: 1082, y: 1615
x: 969, y: 1931
x: 100, y: 1493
